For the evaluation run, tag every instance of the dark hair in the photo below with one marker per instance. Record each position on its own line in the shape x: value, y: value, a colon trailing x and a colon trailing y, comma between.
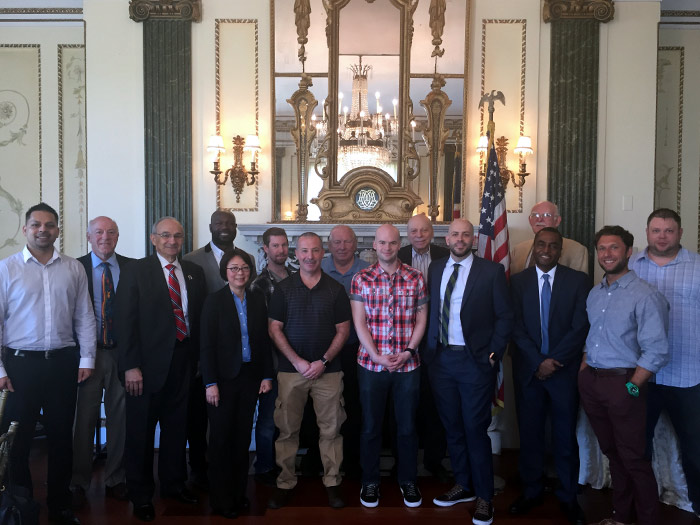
x: 230, y: 254
x: 273, y: 231
x: 42, y: 206
x: 313, y: 235
x: 618, y: 231
x: 664, y: 213
x: 551, y: 230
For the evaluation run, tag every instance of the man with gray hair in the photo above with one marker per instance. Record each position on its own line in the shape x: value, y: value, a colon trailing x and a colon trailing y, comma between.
x: 546, y: 214
x: 158, y: 309
x: 103, y: 267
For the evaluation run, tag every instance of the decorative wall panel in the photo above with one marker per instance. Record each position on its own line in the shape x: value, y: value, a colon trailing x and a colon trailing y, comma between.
x: 72, y: 165
x: 20, y: 140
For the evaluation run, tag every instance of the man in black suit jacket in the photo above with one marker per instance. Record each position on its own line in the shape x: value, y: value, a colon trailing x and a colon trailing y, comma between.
x: 545, y: 368
x: 103, y: 235
x: 419, y: 253
x: 158, y: 338
x: 469, y: 325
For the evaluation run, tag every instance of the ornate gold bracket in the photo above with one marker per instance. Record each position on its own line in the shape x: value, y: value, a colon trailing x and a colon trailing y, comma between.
x: 435, y: 134
x: 140, y: 10
x: 304, y: 103
x: 600, y: 10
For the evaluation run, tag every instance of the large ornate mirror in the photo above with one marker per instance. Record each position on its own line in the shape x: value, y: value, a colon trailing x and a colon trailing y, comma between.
x: 367, y: 120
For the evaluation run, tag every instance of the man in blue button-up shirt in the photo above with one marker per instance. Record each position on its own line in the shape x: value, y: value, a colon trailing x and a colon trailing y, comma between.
x: 626, y: 344
x: 676, y: 272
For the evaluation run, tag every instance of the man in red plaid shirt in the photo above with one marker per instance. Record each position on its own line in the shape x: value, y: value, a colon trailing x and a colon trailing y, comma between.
x: 390, y: 312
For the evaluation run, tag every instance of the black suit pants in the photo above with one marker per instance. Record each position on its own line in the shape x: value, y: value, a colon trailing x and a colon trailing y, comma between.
x: 169, y: 408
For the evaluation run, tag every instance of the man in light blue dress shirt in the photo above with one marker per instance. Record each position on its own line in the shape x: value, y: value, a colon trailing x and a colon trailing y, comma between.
x: 675, y: 271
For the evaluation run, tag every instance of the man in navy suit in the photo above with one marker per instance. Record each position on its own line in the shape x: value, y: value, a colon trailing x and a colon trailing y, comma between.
x: 550, y: 331
x: 469, y: 325
x: 158, y: 309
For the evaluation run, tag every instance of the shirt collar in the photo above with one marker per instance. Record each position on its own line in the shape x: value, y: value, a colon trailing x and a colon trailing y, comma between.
x: 682, y: 256
x: 414, y: 253
x: 218, y: 252
x: 551, y: 272
x: 164, y: 262
x: 96, y: 261
x: 622, y: 282
x: 464, y: 262
x: 26, y: 255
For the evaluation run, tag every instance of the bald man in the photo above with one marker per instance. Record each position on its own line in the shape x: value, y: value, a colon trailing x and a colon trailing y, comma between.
x: 545, y: 214
x: 389, y: 309
x: 470, y: 322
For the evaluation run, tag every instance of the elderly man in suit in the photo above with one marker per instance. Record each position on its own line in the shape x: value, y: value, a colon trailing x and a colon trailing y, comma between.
x: 543, y: 215
x: 469, y: 325
x: 551, y: 326
x: 158, y: 309
x: 222, y: 226
x: 103, y: 267
x: 419, y: 253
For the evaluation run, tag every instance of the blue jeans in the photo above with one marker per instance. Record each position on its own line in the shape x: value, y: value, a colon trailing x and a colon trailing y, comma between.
x: 265, y: 431
x: 374, y: 389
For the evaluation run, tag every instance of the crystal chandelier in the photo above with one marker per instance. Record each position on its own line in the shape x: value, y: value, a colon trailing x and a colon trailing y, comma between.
x: 364, y: 138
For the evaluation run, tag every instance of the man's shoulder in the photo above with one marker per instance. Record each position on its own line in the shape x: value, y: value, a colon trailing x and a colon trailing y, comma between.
x: 199, y: 253
x: 572, y: 245
x: 521, y: 278
x: 437, y: 251
x: 191, y: 267
x: 523, y: 245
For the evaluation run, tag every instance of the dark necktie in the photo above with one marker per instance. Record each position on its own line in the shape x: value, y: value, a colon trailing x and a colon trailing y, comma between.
x: 544, y: 312
x: 445, y: 317
x: 107, y: 305
x: 176, y: 300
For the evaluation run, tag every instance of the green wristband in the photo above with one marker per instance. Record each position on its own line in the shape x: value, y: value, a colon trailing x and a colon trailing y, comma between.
x: 632, y: 389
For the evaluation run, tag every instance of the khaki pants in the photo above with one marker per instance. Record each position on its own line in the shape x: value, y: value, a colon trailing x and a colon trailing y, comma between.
x: 327, y: 395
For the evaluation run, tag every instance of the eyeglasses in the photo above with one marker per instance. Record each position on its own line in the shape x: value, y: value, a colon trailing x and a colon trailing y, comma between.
x: 543, y: 215
x: 166, y: 235
x: 236, y: 269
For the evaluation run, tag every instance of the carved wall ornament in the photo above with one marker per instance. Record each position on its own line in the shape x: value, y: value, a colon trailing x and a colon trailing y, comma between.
x: 141, y: 10
x: 600, y: 10
x: 302, y: 19
x: 437, y: 25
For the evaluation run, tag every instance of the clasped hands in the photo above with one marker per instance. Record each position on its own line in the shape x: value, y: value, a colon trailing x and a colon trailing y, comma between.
x: 392, y: 362
x: 547, y: 368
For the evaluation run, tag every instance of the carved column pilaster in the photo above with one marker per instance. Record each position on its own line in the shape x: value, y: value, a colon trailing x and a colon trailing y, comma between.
x: 573, y: 111
x: 167, y: 65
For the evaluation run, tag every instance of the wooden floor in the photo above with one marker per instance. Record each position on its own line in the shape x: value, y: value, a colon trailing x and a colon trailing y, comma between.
x: 309, y: 505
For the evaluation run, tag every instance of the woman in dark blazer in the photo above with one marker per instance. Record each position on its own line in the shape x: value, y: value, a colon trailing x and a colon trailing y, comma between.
x: 236, y: 365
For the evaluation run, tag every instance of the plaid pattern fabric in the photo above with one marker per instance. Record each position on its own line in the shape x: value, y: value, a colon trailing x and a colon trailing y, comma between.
x: 390, y: 307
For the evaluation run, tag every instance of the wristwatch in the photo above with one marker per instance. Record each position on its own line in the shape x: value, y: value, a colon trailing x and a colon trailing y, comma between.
x: 632, y: 389
x: 324, y: 361
x: 411, y: 351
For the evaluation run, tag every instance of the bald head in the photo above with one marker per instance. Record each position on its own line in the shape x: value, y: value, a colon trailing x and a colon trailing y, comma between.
x: 223, y: 228
x: 420, y: 232
x: 387, y: 241
x: 460, y: 238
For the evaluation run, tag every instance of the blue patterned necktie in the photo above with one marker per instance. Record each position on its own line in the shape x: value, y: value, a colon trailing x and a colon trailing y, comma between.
x: 107, y: 305
x: 445, y: 315
x: 544, y: 313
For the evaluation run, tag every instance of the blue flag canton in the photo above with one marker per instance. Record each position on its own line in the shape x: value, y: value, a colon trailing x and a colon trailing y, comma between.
x: 493, y: 195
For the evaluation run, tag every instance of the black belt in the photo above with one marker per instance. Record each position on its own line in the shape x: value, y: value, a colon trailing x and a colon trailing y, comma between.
x: 40, y: 354
x: 454, y: 348
x: 609, y: 372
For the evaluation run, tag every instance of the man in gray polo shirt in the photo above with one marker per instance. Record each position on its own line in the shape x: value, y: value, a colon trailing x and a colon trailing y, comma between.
x: 626, y: 345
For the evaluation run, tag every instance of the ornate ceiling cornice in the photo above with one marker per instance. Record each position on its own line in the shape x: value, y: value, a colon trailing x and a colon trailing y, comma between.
x: 140, y: 10
x: 600, y: 10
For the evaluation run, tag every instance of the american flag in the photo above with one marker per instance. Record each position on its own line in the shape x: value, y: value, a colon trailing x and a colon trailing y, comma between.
x: 493, y: 240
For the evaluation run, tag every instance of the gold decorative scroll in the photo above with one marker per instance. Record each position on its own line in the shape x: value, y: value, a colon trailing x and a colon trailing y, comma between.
x: 435, y: 134
x: 141, y: 10
x: 600, y: 10
x: 304, y: 132
x: 437, y: 25
x: 302, y: 19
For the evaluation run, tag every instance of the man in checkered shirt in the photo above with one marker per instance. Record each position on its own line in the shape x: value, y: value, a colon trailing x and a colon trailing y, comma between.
x: 390, y: 311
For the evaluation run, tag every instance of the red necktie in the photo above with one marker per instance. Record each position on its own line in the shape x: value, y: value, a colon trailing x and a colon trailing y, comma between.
x: 176, y: 300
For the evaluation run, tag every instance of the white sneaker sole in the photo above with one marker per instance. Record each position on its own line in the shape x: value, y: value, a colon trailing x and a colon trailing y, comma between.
x: 368, y: 504
x: 413, y: 504
x: 482, y: 522
x: 445, y: 503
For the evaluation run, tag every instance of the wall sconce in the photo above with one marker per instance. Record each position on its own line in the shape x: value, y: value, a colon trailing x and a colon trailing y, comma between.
x: 523, y: 148
x: 238, y: 172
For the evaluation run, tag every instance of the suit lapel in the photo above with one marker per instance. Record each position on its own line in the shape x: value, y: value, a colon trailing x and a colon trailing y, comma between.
x: 532, y: 293
x: 471, y: 280
x: 557, y: 288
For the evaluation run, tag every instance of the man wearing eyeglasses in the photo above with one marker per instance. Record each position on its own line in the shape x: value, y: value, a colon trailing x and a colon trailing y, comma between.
x: 222, y: 226
x: 157, y: 327
x: 545, y: 214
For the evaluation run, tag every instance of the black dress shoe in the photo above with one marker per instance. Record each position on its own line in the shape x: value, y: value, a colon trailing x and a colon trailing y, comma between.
x: 63, y: 517
x: 228, y: 513
x: 145, y: 512
x: 118, y: 492
x: 280, y: 497
x: 574, y: 513
x: 78, y: 498
x: 243, y: 505
x: 523, y: 505
x: 183, y: 496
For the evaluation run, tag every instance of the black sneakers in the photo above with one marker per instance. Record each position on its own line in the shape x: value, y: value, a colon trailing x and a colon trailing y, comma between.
x: 411, y: 495
x: 483, y: 515
x: 369, y: 495
x: 453, y: 496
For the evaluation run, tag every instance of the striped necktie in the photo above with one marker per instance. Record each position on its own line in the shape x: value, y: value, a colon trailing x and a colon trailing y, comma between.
x: 106, y: 312
x: 445, y: 316
x: 176, y: 301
